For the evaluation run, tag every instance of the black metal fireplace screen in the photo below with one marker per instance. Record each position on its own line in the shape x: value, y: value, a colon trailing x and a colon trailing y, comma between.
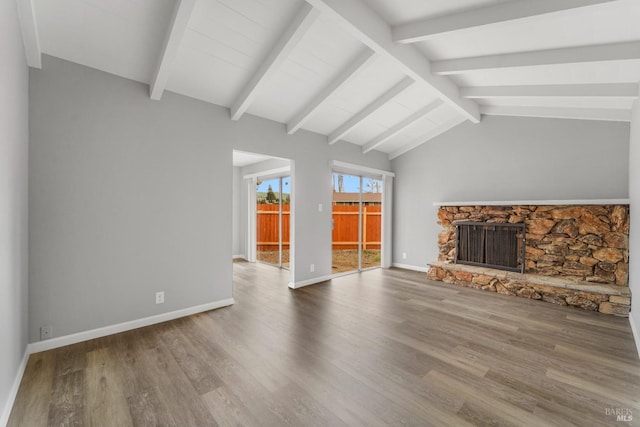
x: 500, y: 246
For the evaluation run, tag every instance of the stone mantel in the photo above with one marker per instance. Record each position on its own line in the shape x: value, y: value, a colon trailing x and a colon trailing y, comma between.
x: 537, y: 202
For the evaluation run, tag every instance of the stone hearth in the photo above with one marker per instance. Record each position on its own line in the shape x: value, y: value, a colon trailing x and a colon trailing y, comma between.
x: 608, y: 299
x: 576, y: 255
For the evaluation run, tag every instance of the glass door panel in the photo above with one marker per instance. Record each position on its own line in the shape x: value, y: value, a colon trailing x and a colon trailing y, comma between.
x: 345, y: 246
x: 285, y: 221
x: 371, y: 222
x: 268, y: 221
x: 357, y: 223
x: 273, y: 202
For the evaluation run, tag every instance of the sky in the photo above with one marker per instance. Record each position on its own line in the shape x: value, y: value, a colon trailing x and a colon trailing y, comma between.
x: 275, y: 185
x: 350, y: 184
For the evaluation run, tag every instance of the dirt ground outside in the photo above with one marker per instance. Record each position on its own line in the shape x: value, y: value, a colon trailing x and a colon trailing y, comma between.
x: 342, y: 259
x: 347, y: 259
x: 271, y: 257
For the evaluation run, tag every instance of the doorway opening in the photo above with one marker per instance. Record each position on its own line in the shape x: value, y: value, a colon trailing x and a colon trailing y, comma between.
x: 357, y: 222
x: 273, y: 224
x: 263, y: 216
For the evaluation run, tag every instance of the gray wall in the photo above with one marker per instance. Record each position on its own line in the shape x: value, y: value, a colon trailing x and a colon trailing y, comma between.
x: 13, y: 201
x: 130, y: 196
x: 238, y: 236
x: 634, y: 235
x: 504, y: 158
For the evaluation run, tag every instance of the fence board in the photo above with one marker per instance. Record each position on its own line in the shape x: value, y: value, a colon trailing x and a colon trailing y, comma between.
x: 345, y: 226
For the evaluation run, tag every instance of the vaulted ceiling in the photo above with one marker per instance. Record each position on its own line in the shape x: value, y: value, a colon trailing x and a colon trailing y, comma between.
x: 387, y: 75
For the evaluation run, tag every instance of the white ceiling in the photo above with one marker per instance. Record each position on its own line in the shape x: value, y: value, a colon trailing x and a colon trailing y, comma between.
x: 385, y: 74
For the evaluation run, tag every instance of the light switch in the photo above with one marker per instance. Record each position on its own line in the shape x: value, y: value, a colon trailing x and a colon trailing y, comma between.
x: 319, y: 207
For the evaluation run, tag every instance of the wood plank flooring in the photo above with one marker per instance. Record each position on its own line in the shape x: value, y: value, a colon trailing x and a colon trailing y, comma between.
x: 384, y: 347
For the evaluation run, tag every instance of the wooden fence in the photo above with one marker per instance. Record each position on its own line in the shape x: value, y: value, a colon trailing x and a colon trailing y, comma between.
x: 345, y: 227
x: 267, y: 226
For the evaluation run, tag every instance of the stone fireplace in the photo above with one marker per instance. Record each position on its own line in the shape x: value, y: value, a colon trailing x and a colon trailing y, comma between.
x: 575, y: 254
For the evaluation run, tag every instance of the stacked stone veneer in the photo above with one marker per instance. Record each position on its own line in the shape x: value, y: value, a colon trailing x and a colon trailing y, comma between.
x: 581, y: 250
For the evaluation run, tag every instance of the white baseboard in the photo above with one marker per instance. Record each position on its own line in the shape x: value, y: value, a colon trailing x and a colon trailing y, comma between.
x: 636, y: 337
x: 6, y: 411
x: 308, y: 282
x: 411, y: 267
x: 239, y: 257
x: 122, y: 327
x: 315, y: 280
x: 348, y: 273
x: 97, y: 333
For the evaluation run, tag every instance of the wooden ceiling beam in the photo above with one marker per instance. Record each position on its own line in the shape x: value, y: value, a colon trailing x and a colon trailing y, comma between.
x: 603, y: 90
x: 604, y: 114
x: 571, y: 55
x: 278, y: 53
x: 363, y: 60
x: 442, y: 128
x: 399, y: 127
x: 29, y: 29
x: 177, y: 28
x: 367, y: 111
x: 368, y: 27
x: 515, y: 10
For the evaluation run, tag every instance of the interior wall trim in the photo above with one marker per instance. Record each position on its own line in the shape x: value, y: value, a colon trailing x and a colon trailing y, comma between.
x: 636, y: 337
x: 351, y: 168
x: 125, y: 326
x: 271, y: 173
x: 312, y: 281
x: 13, y: 392
x: 411, y: 267
x: 537, y: 202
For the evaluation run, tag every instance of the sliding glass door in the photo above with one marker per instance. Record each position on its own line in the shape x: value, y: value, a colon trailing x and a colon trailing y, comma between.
x: 273, y: 201
x: 357, y: 222
x: 371, y: 218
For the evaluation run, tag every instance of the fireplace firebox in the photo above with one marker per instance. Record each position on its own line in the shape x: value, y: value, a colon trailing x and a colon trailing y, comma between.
x: 492, y: 245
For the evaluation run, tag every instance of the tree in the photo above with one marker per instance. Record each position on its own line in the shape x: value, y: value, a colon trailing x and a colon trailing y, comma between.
x: 271, y: 197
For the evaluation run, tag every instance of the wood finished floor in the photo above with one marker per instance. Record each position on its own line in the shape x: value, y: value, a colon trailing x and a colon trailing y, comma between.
x: 377, y: 348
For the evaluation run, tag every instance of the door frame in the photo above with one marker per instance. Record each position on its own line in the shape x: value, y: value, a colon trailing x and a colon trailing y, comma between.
x: 387, y: 211
x: 252, y: 180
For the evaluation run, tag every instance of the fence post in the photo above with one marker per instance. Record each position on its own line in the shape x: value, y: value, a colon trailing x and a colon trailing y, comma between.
x: 364, y: 228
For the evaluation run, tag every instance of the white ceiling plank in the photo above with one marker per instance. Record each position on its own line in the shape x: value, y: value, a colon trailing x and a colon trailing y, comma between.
x: 571, y: 55
x: 369, y: 110
x: 522, y: 9
x: 274, y: 59
x: 177, y: 28
x: 364, y: 24
x: 444, y: 127
x: 396, y: 129
x: 29, y: 28
x: 608, y: 90
x: 351, y: 71
x: 605, y: 114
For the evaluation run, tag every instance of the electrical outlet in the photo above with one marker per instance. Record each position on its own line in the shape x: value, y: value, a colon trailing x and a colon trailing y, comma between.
x: 313, y: 268
x: 404, y: 255
x: 160, y: 297
x: 46, y: 332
